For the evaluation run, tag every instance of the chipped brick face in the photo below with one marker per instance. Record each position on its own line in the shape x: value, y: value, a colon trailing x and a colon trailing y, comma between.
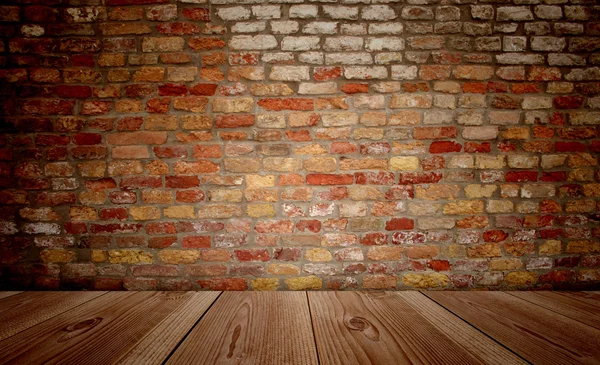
x: 285, y: 144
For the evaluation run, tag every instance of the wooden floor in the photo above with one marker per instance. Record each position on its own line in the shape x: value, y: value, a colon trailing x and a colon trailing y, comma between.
x: 299, y: 328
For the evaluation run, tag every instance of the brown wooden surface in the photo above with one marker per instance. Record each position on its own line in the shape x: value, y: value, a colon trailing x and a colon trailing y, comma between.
x: 566, y: 304
x: 103, y: 331
x: 156, y: 346
x: 300, y: 328
x: 252, y: 328
x: 539, y: 335
x: 591, y: 298
x: 383, y: 328
x: 20, y: 312
x: 481, y: 346
x: 6, y: 294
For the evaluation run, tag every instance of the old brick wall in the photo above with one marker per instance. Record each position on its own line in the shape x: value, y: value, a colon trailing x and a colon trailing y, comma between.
x: 282, y: 144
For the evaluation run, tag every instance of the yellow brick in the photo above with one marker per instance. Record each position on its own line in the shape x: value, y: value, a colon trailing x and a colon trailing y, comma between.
x: 99, y: 255
x: 179, y: 211
x: 179, y: 256
x: 260, y: 210
x: 480, y: 191
x: 157, y: 197
x: 505, y: 265
x: 258, y: 181
x: 550, y: 247
x: 424, y: 281
x: 129, y: 257
x: 304, y: 283
x: 520, y: 278
x: 313, y: 149
x: 404, y: 163
x: 318, y: 255
x: 225, y: 195
x: 320, y: 164
x: 267, y: 284
x: 57, y: 256
x: 464, y: 207
x: 144, y: 213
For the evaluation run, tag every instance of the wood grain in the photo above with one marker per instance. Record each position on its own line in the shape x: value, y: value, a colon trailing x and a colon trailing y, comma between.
x: 155, y: 347
x: 565, y: 304
x: 539, y: 335
x: 466, y: 336
x: 20, y: 312
x: 380, y: 328
x: 591, y: 298
x: 102, y: 331
x: 252, y: 328
x: 6, y: 294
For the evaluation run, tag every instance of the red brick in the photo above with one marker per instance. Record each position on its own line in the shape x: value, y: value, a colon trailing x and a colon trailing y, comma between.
x: 494, y: 236
x: 555, y: 176
x: 444, y: 147
x: 569, y: 147
x: 474, y: 147
x: 355, y: 88
x: 525, y: 89
x: 568, y: 102
x: 74, y: 91
x: 298, y: 136
x: 203, y: 89
x: 224, y: 284
x: 439, y: 265
x: 420, y: 177
x: 182, y: 181
x: 51, y: 140
x: 497, y: 87
x: 234, y: 121
x: 435, y: 132
x: 190, y: 196
x: 309, y: 225
x: 252, y: 255
x: 521, y: 176
x: 140, y: 182
x: 277, y: 104
x: 178, y: 28
x: 155, y: 228
x: 107, y: 214
x: 205, y: 43
x: 158, y: 105
x: 474, y: 87
x: 329, y: 179
x: 87, y: 138
x: 195, y: 242
x: 201, y: 14
x: 327, y: 73
x: 399, y: 224
x: 115, y: 228
x: 172, y: 90
x: 133, y: 138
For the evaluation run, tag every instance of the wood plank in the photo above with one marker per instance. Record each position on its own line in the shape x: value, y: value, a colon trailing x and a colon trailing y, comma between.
x: 467, y: 336
x: 6, y: 294
x: 589, y: 297
x: 102, y: 331
x: 158, y: 344
x: 383, y: 328
x: 252, y: 328
x: 20, y: 312
x: 539, y: 335
x: 562, y: 303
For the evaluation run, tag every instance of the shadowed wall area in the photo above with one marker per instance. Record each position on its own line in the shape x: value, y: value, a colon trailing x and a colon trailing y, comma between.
x: 282, y: 144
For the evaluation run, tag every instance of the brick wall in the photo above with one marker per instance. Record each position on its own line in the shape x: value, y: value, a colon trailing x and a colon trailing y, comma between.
x: 299, y: 145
